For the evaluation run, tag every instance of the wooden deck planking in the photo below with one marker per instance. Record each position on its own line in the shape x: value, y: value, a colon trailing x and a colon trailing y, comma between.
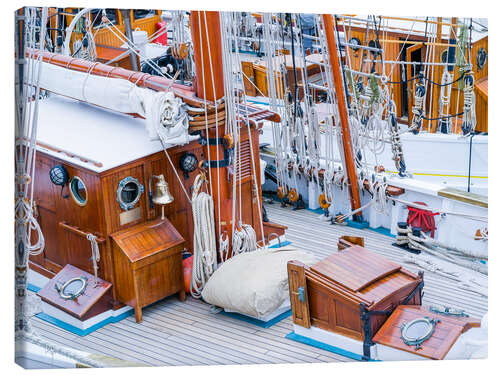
x: 187, y: 333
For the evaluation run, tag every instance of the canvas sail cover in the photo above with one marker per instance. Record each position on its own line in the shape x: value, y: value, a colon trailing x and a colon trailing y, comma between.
x: 164, y: 114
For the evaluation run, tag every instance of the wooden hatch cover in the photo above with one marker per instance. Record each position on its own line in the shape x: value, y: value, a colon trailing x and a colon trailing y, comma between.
x: 446, y: 332
x: 92, y: 298
x: 144, y: 242
x: 355, y: 267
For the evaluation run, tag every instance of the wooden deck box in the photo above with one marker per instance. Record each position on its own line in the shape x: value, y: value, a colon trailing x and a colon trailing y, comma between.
x: 350, y: 293
x: 91, y: 296
x: 148, y: 264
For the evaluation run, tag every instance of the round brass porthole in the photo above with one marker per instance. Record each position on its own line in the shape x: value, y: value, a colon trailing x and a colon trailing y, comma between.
x: 73, y: 288
x: 78, y: 191
x: 415, y: 332
x: 129, y: 192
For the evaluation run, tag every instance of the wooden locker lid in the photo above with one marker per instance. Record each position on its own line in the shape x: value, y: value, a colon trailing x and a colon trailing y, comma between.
x: 355, y: 267
x: 446, y: 332
x: 147, y: 239
x: 80, y: 305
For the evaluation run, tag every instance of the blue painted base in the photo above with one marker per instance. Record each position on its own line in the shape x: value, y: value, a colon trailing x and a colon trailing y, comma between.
x: 321, y: 345
x: 357, y: 224
x: 350, y: 223
x: 70, y: 328
x: 258, y: 322
x: 284, y: 243
x: 384, y: 231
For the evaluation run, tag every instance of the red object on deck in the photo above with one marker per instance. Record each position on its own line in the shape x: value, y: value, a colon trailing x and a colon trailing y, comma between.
x: 187, y: 265
x: 424, y: 219
x: 163, y: 37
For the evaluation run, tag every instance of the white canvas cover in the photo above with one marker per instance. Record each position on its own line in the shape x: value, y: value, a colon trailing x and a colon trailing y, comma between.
x: 254, y: 283
x: 164, y: 113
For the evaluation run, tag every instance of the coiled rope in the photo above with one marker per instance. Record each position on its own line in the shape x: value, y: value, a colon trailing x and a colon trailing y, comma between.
x: 204, y: 249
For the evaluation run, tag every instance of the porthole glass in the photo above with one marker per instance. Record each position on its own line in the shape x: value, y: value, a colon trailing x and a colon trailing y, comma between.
x: 481, y: 57
x: 415, y: 332
x: 73, y: 288
x: 78, y: 191
x: 355, y: 43
x: 129, y: 192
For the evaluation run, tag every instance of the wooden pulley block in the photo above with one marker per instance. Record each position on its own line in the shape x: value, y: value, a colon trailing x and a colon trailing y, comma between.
x: 182, y: 51
x: 293, y: 195
x: 228, y: 141
x: 281, y: 192
x: 379, y: 168
x: 323, y: 203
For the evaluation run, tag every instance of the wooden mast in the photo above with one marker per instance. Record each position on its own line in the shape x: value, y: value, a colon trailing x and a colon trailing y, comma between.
x: 344, y: 121
x: 209, y: 85
x: 207, y: 47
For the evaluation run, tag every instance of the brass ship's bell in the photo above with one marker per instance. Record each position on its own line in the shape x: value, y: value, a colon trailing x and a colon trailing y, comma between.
x: 162, y: 195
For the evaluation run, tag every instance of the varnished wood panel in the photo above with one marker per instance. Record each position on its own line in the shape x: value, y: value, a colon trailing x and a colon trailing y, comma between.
x: 95, y: 299
x: 438, y: 345
x: 297, y: 279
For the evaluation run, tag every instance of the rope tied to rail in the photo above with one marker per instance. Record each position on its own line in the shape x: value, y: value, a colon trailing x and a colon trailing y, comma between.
x: 96, y: 255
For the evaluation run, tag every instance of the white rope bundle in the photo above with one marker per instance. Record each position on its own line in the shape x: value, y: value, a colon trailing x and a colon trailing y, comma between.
x: 445, y: 94
x: 96, y: 255
x: 244, y: 240
x: 204, y: 248
x: 25, y: 219
x: 469, y: 103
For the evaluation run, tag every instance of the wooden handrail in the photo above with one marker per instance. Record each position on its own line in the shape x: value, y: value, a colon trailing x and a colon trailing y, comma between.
x: 78, y: 231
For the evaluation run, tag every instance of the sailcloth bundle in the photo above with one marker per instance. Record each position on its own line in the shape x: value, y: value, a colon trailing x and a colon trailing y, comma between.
x: 166, y: 117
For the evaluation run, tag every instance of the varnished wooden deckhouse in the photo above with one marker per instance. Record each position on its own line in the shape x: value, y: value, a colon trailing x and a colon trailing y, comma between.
x: 140, y: 254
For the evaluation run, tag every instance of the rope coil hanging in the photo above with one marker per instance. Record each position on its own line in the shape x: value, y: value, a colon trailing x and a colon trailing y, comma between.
x: 204, y: 248
x: 96, y: 256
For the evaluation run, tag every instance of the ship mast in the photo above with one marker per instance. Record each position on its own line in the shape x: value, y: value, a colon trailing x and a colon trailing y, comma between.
x: 344, y: 121
x: 209, y: 85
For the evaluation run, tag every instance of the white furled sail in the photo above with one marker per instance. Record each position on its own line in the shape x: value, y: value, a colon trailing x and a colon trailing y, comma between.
x: 166, y: 118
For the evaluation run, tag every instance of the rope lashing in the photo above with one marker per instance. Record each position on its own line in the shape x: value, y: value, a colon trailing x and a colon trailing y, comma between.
x: 421, y: 218
x: 469, y: 120
x: 418, y: 241
x: 96, y: 256
x: 244, y: 240
x: 418, y: 107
